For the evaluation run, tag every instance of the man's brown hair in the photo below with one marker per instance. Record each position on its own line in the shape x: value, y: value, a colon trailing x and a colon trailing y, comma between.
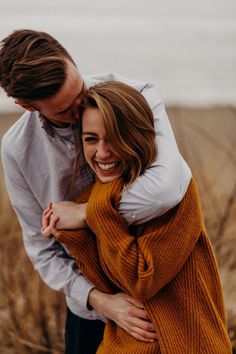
x: 32, y: 65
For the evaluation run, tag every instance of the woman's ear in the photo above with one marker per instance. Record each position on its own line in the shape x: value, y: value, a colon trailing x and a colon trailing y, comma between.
x: 25, y: 106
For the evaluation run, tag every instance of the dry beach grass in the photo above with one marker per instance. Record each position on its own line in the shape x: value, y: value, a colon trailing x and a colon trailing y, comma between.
x: 32, y: 316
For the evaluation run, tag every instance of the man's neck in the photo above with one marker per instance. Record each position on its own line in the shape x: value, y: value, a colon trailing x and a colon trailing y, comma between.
x: 56, y: 124
x: 59, y: 125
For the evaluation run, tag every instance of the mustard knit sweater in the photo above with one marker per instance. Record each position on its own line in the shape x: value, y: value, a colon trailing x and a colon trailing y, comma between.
x: 167, y: 263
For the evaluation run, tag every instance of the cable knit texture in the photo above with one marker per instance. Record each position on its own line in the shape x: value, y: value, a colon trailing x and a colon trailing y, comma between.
x: 167, y: 263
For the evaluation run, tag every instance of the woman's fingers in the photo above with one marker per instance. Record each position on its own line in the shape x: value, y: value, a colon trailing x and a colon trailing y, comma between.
x: 46, y: 217
x: 49, y: 222
x: 46, y: 232
x: 48, y: 208
x: 53, y: 222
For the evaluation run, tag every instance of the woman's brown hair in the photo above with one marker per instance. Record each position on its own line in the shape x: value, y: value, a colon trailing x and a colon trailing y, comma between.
x: 129, y: 124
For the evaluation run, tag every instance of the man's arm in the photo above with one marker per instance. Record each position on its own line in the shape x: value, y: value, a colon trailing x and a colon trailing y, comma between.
x: 164, y: 184
x: 49, y: 258
x: 128, y: 313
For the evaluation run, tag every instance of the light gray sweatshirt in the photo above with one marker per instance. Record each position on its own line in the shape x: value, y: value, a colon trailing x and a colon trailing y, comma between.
x: 37, y: 162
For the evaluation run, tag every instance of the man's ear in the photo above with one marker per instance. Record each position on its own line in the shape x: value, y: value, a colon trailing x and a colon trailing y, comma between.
x: 25, y: 106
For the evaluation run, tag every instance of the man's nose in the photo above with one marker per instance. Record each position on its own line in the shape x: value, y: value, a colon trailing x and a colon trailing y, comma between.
x: 75, y: 109
x: 78, y: 100
x: 76, y: 104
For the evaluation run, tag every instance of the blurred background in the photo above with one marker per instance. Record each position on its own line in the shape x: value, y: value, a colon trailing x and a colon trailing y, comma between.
x: 188, y: 50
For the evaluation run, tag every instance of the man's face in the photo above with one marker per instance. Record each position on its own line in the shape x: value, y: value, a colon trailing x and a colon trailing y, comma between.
x: 63, y: 107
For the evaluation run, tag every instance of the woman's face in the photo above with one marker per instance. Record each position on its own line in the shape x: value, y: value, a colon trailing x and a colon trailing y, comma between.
x: 99, y: 154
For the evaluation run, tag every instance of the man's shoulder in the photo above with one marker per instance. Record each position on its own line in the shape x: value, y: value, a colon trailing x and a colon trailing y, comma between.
x: 17, y: 133
x: 95, y: 79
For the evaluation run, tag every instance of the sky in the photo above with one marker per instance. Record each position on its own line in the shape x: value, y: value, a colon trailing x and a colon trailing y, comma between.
x: 186, y: 48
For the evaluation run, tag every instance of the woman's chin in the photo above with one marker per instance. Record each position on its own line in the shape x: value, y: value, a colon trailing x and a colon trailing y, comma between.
x: 107, y: 179
x: 107, y: 176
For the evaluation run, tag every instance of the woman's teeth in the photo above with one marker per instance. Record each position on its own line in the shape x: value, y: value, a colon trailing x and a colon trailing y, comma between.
x: 107, y: 166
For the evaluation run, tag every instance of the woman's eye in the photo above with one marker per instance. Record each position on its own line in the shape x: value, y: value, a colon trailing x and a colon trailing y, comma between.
x: 90, y: 139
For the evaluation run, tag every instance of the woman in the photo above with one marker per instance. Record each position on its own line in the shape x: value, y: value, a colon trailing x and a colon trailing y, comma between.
x: 168, y: 262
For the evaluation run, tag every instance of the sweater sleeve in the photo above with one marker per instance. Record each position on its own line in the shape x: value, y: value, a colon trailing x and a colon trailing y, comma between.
x: 81, y: 243
x: 145, y: 264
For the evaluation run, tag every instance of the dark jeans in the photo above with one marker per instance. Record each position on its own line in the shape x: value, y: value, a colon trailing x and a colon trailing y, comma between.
x: 82, y: 336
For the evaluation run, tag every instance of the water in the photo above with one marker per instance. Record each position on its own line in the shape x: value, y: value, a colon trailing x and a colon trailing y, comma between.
x: 186, y: 48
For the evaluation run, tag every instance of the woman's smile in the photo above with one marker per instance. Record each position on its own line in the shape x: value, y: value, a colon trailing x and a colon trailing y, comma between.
x: 108, y: 167
x: 98, y: 151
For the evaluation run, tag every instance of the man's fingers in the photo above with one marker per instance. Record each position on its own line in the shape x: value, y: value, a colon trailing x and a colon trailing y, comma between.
x: 145, y: 326
x: 139, y: 326
x: 136, y: 302
x: 130, y: 315
x: 133, y: 301
x: 136, y: 312
x: 144, y: 331
x: 142, y: 338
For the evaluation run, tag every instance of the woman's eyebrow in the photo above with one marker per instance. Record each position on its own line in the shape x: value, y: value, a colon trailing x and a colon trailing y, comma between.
x: 89, y: 133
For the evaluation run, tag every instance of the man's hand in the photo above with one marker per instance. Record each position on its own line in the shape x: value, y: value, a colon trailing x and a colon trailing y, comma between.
x: 127, y: 312
x: 71, y: 215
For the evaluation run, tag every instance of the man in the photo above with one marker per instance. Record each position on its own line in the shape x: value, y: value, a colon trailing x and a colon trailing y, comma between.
x: 37, y: 154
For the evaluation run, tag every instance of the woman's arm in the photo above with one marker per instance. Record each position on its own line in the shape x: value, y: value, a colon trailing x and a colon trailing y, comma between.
x: 142, y: 265
x: 127, y: 312
x: 82, y: 245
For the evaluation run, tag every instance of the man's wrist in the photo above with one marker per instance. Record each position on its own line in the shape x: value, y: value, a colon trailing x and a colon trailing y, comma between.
x: 93, y: 299
x: 97, y: 300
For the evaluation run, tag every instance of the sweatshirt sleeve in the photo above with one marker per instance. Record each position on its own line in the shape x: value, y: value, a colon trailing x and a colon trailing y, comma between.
x: 164, y: 184
x: 142, y: 265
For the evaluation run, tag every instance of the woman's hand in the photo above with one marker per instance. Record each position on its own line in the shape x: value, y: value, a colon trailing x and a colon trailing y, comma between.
x: 49, y: 222
x: 71, y: 215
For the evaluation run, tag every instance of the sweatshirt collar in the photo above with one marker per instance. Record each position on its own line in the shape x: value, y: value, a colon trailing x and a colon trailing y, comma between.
x: 50, y: 129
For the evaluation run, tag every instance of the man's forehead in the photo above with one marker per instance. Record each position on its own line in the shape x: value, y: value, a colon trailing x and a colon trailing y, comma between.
x: 63, y: 100
x: 70, y: 100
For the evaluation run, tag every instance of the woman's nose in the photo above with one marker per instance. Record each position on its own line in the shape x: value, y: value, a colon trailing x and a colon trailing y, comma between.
x: 103, y: 150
